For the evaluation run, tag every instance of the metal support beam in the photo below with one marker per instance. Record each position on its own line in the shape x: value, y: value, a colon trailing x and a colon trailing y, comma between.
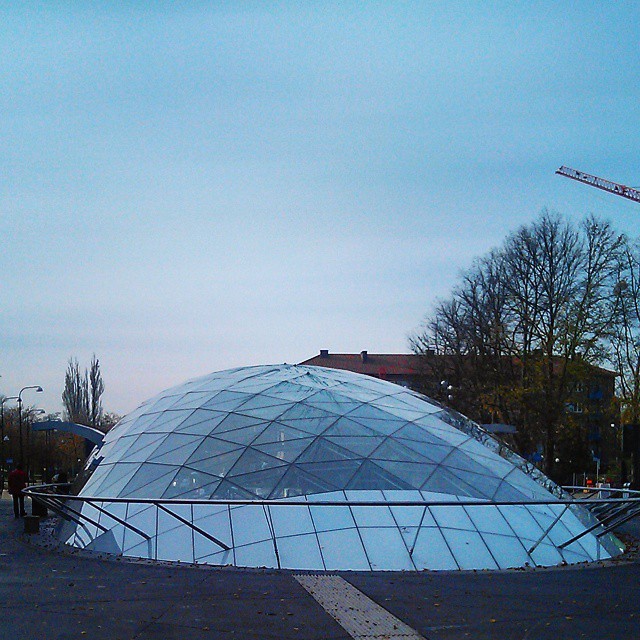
x: 547, y: 530
x: 196, y: 528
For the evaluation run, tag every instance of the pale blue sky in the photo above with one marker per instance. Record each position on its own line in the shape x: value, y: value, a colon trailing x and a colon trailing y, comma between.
x: 187, y: 187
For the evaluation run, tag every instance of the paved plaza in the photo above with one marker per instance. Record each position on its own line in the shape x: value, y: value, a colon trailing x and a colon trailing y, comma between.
x: 49, y: 593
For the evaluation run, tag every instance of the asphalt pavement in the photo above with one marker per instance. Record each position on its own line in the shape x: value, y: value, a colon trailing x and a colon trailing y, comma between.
x: 49, y: 592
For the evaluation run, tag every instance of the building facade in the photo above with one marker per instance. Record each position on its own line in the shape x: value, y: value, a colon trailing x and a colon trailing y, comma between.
x: 588, y: 441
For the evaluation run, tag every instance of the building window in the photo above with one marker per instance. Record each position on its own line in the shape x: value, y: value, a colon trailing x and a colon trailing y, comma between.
x: 574, y: 407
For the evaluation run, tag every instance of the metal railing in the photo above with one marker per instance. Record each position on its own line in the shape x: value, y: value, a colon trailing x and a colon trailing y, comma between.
x: 608, y: 513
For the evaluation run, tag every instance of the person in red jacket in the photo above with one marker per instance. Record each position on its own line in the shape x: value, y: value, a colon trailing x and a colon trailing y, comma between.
x: 17, y: 481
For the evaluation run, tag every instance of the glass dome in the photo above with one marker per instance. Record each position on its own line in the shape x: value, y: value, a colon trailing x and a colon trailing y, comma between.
x: 306, y: 435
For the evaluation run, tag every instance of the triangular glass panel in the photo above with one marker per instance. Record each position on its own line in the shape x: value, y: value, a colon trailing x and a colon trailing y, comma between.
x: 263, y: 413
x: 261, y: 401
x: 226, y: 401
x: 244, y: 436
x: 405, y: 399
x: 432, y: 452
x: 210, y: 448
x: 176, y: 448
x: 418, y: 433
x: 237, y: 421
x: 322, y: 450
x: 139, y: 425
x: 256, y: 387
x: 227, y: 395
x: 408, y: 414
x: 458, y: 460
x: 391, y: 450
x: 192, y: 483
x: 314, y: 425
x: 148, y: 477
x: 277, y: 432
x: 383, y: 427
x: 508, y: 492
x: 486, y: 484
x: 201, y: 422
x: 454, y: 436
x: 192, y: 400
x: 140, y: 450
x: 443, y: 481
x: 228, y: 491
x: 340, y: 471
x: 333, y: 402
x: 98, y: 476
x: 302, y: 411
x: 168, y: 420
x: 160, y: 404
x: 218, y: 465
x: 371, y: 476
x: 361, y: 446
x: 414, y: 474
x: 362, y: 393
x: 296, y: 482
x: 252, y: 375
x: 252, y: 460
x: 290, y: 391
x: 211, y: 384
x: 432, y: 420
x: 121, y: 446
x: 118, y: 477
x: 287, y: 451
x: 369, y: 412
x: 260, y: 483
x: 346, y: 427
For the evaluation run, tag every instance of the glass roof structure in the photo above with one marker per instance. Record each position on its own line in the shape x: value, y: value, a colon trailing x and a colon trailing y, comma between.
x: 299, y: 436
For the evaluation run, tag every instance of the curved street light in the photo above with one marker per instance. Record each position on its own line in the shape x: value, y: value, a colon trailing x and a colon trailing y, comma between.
x: 31, y: 416
x: 38, y: 390
x: 2, y: 440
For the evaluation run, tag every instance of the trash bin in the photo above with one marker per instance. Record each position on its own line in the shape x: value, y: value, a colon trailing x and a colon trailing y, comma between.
x: 31, y: 524
x: 38, y: 508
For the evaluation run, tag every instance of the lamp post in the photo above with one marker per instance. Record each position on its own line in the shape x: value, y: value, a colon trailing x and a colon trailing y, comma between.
x: 2, y: 440
x: 38, y: 390
x: 30, y: 415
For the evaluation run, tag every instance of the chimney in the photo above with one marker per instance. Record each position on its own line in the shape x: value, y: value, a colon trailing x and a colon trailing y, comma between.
x: 324, y: 353
x: 363, y: 355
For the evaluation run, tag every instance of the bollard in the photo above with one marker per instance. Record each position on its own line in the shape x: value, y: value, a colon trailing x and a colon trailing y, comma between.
x: 38, y: 508
x: 31, y: 524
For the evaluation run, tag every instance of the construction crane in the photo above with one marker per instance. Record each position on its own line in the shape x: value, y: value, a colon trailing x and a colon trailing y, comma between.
x: 601, y: 183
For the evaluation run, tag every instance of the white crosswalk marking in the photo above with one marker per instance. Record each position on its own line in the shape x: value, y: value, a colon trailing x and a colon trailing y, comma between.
x: 358, y: 615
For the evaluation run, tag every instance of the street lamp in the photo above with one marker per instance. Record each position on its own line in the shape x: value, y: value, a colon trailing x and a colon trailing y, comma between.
x: 38, y: 390
x: 2, y: 440
x: 31, y: 415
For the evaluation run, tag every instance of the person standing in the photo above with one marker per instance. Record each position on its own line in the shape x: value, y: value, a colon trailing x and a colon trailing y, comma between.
x: 17, y: 481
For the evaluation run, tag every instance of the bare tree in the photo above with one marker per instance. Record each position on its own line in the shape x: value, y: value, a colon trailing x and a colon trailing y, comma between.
x: 625, y: 337
x: 522, y: 323
x: 95, y: 391
x: 109, y: 420
x: 75, y: 396
x: 82, y: 394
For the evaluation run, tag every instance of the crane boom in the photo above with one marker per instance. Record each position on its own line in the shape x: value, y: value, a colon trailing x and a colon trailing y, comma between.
x: 601, y: 183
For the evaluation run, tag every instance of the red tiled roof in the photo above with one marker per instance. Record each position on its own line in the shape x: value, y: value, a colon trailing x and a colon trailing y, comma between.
x: 373, y: 364
x: 396, y: 364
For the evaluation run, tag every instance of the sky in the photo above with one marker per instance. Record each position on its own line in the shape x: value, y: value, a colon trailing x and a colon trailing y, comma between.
x: 187, y: 187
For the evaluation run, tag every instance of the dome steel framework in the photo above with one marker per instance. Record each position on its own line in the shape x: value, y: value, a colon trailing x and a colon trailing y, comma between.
x: 237, y: 465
